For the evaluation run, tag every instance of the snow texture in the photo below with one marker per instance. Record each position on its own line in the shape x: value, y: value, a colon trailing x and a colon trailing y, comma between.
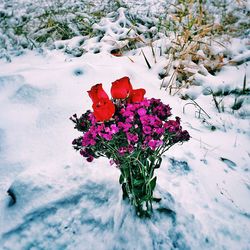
x: 50, y: 198
x: 57, y: 201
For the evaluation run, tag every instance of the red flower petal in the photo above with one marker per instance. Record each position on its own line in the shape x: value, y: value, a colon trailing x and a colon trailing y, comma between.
x: 137, y: 95
x: 96, y: 93
x: 121, y: 88
x: 103, y: 110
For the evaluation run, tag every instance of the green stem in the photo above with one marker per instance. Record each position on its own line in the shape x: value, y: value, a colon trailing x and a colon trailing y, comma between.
x: 113, y: 150
x: 132, y: 185
x: 126, y: 184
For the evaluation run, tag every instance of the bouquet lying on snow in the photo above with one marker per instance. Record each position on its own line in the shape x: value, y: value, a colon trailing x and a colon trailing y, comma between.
x: 133, y: 132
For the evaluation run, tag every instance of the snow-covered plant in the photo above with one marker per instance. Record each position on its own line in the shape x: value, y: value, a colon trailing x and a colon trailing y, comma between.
x: 133, y: 132
x: 192, y: 30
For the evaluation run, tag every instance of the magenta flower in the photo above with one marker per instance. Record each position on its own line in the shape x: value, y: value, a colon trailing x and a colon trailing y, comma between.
x: 90, y: 158
x: 107, y: 137
x: 100, y: 128
x: 122, y: 150
x: 147, y: 130
x: 92, y: 118
x: 130, y: 148
x: 145, y: 103
x: 173, y: 125
x: 89, y: 139
x: 124, y: 126
x: 153, y: 144
x: 132, y: 137
x: 159, y: 131
x: 142, y: 112
x: 129, y: 119
x: 127, y: 113
x: 114, y: 129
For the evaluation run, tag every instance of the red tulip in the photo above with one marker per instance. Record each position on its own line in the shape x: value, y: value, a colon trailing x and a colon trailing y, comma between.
x: 137, y: 95
x: 96, y: 93
x: 103, y: 110
x: 121, y: 88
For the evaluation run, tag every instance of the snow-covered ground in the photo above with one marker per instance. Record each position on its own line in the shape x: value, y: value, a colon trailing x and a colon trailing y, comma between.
x: 51, y: 198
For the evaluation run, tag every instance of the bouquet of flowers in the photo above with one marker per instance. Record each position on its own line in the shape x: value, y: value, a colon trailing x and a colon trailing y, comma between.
x: 133, y: 132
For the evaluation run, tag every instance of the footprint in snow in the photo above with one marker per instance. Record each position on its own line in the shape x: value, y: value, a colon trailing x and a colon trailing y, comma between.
x: 28, y: 94
x: 178, y: 167
x: 10, y: 81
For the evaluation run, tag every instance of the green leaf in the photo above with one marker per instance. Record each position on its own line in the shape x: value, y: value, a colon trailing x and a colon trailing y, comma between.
x: 151, y: 158
x: 137, y: 182
x: 138, y: 192
x: 121, y: 179
x: 158, y: 164
x: 152, y: 183
x: 146, y: 198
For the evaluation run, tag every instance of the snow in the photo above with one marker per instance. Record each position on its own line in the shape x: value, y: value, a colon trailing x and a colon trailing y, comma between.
x: 50, y: 198
x: 57, y: 193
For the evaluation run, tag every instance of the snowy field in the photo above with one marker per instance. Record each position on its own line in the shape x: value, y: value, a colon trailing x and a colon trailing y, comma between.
x: 51, y: 198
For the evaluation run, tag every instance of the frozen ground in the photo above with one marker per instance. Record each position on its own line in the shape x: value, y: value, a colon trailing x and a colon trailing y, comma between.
x: 50, y: 198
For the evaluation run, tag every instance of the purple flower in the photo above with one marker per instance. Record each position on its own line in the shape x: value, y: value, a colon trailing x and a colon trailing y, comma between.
x: 89, y: 139
x: 153, y: 144
x: 181, y: 136
x: 157, y: 122
x: 151, y: 120
x: 100, y: 128
x: 129, y: 119
x: 92, y: 118
x: 160, y: 109
x: 107, y: 137
x: 122, y: 150
x: 185, y: 135
x: 124, y: 126
x: 173, y: 126
x: 132, y: 137
x: 145, y: 103
x: 147, y: 139
x: 147, y: 130
x: 127, y: 113
x: 131, y: 107
x: 107, y: 129
x: 130, y: 148
x: 111, y: 162
x: 90, y: 158
x: 159, y: 131
x: 114, y: 129
x: 85, y: 153
x: 142, y: 112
